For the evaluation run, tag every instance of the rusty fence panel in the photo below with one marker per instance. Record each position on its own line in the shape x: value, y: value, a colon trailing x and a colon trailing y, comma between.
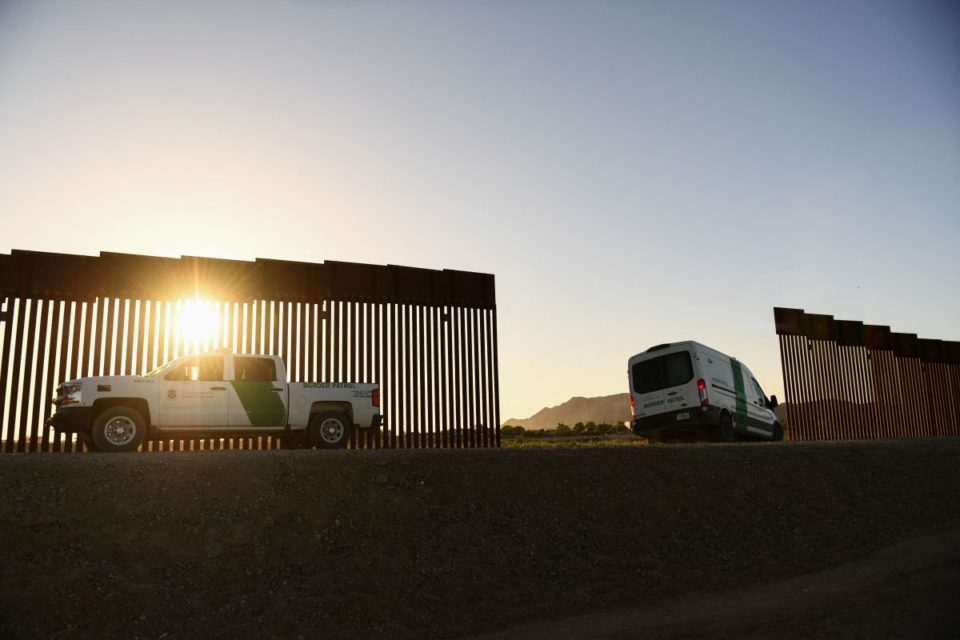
x: 428, y: 337
x: 844, y: 379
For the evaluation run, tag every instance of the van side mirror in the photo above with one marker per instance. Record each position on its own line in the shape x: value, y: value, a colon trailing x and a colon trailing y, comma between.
x: 773, y: 402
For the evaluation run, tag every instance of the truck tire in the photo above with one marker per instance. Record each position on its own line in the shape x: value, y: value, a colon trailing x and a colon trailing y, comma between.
x: 329, y: 430
x: 118, y: 429
x: 725, y: 432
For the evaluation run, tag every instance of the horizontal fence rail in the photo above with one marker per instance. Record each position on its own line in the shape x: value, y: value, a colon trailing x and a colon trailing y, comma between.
x: 428, y: 337
x: 845, y: 379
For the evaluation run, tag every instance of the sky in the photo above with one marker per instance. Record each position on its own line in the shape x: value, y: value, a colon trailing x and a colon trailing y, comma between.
x: 633, y: 173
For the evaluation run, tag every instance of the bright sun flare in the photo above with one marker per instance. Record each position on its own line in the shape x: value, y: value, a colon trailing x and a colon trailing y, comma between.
x: 197, y: 322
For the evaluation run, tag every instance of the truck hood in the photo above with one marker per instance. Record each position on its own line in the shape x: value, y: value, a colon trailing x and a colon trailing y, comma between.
x: 111, y: 380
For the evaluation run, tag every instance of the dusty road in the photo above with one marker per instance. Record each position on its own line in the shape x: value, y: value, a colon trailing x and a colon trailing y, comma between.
x: 443, y: 544
x: 910, y: 590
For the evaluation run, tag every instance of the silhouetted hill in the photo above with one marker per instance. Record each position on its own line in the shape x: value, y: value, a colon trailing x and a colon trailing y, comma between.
x: 613, y: 409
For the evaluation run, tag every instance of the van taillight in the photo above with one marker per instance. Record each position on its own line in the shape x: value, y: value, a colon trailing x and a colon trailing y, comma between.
x: 633, y: 407
x: 375, y: 398
x: 702, y: 390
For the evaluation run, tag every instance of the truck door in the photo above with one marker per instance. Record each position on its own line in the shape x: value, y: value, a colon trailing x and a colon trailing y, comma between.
x: 258, y: 398
x: 193, y: 394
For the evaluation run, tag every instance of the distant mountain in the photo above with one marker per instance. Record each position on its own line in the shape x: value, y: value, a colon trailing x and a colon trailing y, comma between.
x: 613, y: 409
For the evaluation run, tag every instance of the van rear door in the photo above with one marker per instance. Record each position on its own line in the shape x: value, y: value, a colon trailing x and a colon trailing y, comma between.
x: 664, y: 382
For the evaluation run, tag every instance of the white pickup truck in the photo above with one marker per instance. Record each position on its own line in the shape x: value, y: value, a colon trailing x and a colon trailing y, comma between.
x: 214, y: 395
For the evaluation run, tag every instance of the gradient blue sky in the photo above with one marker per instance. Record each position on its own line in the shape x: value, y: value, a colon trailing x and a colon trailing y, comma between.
x: 632, y: 172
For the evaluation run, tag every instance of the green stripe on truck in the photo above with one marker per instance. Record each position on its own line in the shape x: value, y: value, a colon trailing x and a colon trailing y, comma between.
x: 264, y: 407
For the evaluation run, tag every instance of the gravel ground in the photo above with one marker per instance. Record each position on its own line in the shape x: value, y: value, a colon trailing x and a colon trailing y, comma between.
x: 436, y: 544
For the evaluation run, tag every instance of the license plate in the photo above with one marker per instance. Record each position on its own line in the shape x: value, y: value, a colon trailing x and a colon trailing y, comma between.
x: 683, y: 416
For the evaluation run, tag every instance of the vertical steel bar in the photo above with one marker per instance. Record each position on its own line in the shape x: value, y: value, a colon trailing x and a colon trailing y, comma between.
x: 469, y: 370
x: 39, y: 341
x: 376, y: 367
x: 487, y: 383
x: 336, y: 315
x: 99, y: 331
x: 36, y: 307
x: 303, y: 331
x: 4, y: 368
x: 445, y: 387
x: 10, y: 438
x: 130, y: 329
x: 419, y: 345
x: 149, y: 338
x: 68, y: 331
x: 787, y: 383
x: 408, y: 387
x: 459, y: 384
x: 55, y: 343
x: 496, y: 376
x: 394, y: 417
x: 474, y: 378
x: 120, y: 307
x: 434, y: 376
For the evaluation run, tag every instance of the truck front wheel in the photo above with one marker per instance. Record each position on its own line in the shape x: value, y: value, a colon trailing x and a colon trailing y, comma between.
x: 329, y: 430
x: 118, y: 429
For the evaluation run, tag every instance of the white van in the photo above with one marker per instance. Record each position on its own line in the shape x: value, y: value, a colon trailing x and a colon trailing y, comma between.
x: 685, y: 389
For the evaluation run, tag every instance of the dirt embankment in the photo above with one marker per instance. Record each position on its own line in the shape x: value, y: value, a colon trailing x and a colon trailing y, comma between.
x: 436, y: 544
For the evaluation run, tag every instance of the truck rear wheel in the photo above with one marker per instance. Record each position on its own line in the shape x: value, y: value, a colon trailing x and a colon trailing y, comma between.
x: 118, y: 429
x: 329, y: 430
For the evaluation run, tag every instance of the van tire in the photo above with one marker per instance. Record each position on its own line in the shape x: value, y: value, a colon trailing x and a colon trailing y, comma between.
x: 329, y: 430
x: 777, y: 432
x: 725, y: 432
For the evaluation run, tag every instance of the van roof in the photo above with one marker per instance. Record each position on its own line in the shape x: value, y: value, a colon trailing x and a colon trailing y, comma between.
x: 683, y: 345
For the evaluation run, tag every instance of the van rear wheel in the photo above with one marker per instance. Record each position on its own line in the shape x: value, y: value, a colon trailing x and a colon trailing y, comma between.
x: 725, y: 432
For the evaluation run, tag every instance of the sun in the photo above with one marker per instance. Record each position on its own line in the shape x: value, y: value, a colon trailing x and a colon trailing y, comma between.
x: 197, y: 321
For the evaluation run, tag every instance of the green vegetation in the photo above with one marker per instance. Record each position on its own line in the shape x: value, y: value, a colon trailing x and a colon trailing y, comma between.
x: 578, y: 430
x: 581, y: 434
x: 593, y: 442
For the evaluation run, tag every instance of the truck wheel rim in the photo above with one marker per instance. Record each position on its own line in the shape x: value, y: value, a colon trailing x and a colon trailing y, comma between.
x: 331, y: 430
x: 120, y: 431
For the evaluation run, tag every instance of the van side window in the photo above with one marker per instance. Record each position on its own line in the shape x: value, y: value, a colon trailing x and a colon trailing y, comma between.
x: 254, y: 369
x: 662, y: 372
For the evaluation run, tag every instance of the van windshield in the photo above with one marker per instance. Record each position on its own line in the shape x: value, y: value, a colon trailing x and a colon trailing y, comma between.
x: 662, y: 372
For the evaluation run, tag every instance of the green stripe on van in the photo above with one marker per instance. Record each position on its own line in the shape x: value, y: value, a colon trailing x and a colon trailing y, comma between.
x: 264, y: 407
x: 741, y: 394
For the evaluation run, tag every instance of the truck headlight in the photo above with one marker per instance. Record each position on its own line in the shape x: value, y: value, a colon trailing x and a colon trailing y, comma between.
x: 70, y: 393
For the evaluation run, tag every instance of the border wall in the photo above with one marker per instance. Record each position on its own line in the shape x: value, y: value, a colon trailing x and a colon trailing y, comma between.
x: 844, y: 379
x: 428, y: 337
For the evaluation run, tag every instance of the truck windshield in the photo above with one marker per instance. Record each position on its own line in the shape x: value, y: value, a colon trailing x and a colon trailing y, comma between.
x: 662, y: 372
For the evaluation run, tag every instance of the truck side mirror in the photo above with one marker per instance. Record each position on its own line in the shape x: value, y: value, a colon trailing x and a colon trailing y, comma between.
x: 773, y: 402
